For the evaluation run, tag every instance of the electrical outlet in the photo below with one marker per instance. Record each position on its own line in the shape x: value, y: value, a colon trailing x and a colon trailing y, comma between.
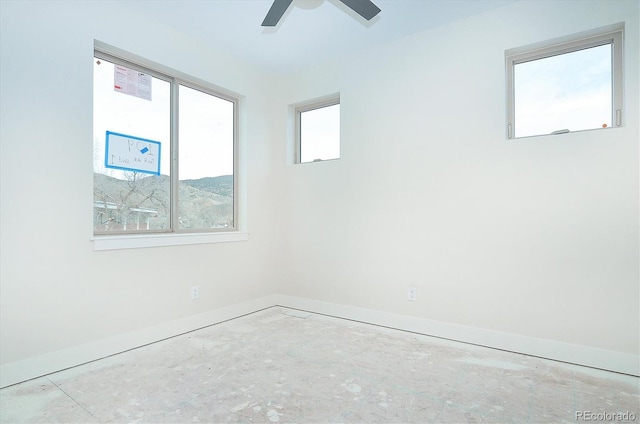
x: 411, y: 295
x: 195, y: 292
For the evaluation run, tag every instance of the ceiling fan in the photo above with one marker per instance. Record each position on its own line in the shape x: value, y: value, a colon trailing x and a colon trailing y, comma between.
x: 364, y: 8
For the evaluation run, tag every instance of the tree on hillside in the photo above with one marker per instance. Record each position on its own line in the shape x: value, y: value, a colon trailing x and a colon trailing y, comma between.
x: 143, y: 197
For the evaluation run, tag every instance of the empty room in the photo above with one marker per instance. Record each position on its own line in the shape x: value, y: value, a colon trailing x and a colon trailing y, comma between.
x: 320, y: 211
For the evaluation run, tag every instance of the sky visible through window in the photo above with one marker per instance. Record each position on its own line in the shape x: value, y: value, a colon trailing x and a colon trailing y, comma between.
x: 570, y: 91
x: 205, y: 134
x: 320, y: 134
x: 205, y: 130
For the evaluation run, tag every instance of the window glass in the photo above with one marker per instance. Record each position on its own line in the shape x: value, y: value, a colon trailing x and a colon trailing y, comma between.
x: 124, y: 197
x: 570, y: 91
x: 206, y: 160
x: 320, y: 134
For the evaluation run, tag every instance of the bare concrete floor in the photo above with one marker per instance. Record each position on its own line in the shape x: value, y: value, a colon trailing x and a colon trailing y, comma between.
x: 278, y: 365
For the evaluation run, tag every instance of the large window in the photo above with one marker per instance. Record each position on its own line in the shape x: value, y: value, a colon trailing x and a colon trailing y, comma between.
x: 163, y: 152
x: 566, y: 85
x: 318, y: 131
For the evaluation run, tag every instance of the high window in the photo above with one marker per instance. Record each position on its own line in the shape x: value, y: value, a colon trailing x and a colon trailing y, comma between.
x: 163, y: 151
x: 572, y: 84
x: 318, y: 131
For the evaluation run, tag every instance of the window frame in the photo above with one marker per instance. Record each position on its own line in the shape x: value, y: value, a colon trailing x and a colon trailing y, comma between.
x: 107, y: 240
x: 611, y: 34
x: 301, y: 108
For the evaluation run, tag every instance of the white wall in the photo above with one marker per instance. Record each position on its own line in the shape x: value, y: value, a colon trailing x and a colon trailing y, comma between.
x: 56, y: 292
x: 535, y: 237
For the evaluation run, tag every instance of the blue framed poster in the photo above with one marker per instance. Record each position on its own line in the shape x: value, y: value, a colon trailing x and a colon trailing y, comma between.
x: 129, y: 153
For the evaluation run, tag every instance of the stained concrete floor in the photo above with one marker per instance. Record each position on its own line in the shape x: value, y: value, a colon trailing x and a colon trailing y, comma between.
x: 279, y: 365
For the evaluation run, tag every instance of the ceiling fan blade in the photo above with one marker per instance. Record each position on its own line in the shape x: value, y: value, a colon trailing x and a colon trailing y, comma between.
x: 275, y: 13
x: 364, y: 8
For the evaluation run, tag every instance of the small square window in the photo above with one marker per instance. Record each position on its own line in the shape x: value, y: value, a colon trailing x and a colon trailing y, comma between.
x: 318, y: 131
x: 571, y: 85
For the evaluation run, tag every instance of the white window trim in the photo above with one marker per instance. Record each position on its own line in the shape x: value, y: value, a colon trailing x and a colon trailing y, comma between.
x: 132, y: 240
x: 330, y: 100
x: 136, y: 241
x: 611, y: 34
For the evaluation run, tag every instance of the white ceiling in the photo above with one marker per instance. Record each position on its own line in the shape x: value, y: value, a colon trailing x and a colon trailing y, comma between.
x: 310, y: 32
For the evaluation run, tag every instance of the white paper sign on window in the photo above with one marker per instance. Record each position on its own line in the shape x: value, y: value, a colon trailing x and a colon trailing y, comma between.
x: 132, y: 82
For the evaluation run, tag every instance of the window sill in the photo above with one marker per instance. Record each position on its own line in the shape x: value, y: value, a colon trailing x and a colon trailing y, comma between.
x: 562, y: 133
x: 160, y: 240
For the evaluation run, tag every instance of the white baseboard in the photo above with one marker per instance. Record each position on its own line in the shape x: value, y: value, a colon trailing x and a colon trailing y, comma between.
x: 37, y: 366
x: 574, y: 354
